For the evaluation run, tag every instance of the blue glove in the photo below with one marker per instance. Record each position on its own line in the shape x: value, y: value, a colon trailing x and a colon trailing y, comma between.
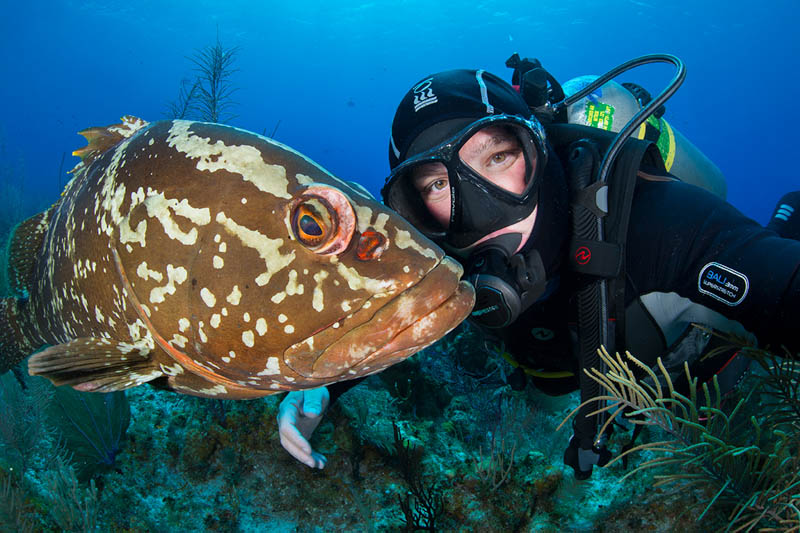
x: 299, y: 415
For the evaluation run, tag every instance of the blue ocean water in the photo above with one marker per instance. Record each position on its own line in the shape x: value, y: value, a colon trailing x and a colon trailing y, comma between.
x: 326, y: 77
x: 332, y: 73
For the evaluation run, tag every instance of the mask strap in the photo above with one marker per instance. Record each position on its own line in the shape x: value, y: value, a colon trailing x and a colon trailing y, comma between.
x: 484, y: 92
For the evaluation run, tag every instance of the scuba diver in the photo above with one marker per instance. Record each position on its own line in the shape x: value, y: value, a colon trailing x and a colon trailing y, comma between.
x: 576, y: 237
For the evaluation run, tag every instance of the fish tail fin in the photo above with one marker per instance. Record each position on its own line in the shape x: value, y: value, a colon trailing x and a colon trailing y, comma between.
x: 23, y: 247
x: 11, y: 351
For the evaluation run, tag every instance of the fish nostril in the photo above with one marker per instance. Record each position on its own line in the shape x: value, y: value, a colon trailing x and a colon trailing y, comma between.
x: 370, y: 246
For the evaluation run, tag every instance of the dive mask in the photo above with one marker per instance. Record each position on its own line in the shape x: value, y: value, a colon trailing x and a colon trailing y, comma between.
x: 479, y: 203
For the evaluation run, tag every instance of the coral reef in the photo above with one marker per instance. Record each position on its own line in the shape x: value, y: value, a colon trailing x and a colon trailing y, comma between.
x: 423, y: 503
x: 438, y: 443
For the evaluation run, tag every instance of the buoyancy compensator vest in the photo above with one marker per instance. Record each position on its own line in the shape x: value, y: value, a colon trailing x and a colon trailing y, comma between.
x: 581, y: 120
x: 596, y: 255
x: 602, y: 169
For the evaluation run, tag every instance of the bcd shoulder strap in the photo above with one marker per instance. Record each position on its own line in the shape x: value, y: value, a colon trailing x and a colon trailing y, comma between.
x: 591, y: 200
x: 600, y: 217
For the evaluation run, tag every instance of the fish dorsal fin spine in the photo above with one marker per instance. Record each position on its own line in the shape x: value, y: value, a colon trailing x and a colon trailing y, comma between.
x: 103, y: 138
x: 23, y: 247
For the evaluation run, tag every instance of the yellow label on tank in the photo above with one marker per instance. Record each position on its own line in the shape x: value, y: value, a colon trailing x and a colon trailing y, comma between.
x: 599, y: 115
x: 666, y: 144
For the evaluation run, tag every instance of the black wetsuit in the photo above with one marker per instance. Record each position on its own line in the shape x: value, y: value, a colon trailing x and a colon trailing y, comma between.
x: 691, y: 258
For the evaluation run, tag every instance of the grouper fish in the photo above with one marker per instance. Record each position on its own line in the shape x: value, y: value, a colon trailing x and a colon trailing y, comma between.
x: 219, y: 263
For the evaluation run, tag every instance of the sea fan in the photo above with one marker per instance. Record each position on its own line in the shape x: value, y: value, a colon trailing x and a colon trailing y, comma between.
x: 209, y: 95
x: 91, y: 425
x: 751, y: 464
x: 214, y: 65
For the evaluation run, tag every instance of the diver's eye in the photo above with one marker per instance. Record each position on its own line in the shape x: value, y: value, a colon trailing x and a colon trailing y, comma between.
x: 323, y: 220
x: 438, y: 185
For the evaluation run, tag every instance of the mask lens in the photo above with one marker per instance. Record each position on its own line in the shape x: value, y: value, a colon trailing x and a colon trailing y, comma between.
x: 503, y: 155
x: 497, y: 155
x: 419, y: 188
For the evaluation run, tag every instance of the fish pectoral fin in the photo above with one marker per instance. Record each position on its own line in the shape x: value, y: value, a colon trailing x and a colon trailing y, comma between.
x: 95, y: 364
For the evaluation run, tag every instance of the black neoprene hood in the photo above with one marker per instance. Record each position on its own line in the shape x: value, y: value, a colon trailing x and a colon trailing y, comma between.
x: 448, y: 100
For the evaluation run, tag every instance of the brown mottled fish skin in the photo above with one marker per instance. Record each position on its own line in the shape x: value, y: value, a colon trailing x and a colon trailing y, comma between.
x: 173, y: 257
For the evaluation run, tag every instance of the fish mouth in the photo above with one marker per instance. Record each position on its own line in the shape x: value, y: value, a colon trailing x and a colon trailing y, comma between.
x: 412, y: 320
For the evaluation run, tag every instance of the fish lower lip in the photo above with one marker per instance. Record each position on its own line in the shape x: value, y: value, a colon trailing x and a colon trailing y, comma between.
x: 412, y: 320
x: 419, y: 335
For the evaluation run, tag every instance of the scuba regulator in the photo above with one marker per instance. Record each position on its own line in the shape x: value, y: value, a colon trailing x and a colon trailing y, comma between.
x: 505, y: 283
x: 540, y: 90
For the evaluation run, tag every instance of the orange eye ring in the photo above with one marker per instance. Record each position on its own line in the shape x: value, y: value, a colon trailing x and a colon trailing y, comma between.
x: 322, y: 219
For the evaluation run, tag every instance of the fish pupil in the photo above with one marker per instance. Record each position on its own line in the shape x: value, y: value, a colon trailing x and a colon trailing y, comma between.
x: 309, y: 226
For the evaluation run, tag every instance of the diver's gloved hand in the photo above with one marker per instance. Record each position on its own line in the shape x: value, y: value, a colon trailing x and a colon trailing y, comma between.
x: 583, y: 456
x: 299, y: 415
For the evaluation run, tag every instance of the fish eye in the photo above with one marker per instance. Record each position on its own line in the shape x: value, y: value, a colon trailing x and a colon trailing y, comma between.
x: 323, y: 220
x: 312, y: 222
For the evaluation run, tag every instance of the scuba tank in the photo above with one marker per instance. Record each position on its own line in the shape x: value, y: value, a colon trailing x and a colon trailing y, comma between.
x: 611, y: 107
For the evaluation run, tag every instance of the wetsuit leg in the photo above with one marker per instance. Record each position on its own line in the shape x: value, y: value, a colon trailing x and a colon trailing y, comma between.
x: 785, y: 220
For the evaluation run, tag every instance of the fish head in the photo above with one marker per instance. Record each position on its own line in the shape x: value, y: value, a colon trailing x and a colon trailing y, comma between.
x: 292, y: 279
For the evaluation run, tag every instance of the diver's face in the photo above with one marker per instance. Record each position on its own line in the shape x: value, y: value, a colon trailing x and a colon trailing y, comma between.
x: 493, y: 152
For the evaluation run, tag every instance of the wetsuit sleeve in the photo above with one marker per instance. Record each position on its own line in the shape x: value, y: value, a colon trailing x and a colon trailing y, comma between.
x: 685, y: 240
x: 337, y: 389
